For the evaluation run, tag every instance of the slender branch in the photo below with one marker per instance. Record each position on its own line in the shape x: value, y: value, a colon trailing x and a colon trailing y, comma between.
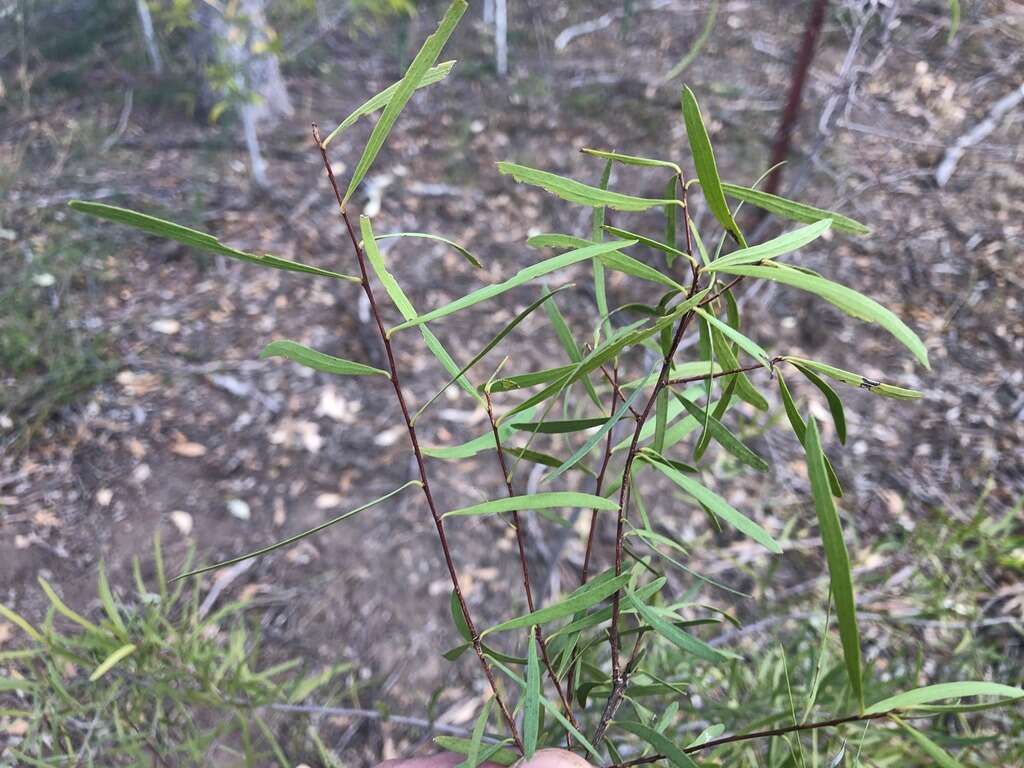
x: 618, y: 391
x: 618, y: 677
x: 781, y: 731
x: 705, y: 377
x: 728, y: 286
x: 524, y: 567
x: 420, y: 463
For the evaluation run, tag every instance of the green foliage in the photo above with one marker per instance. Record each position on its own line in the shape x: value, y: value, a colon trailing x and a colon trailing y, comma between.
x: 633, y: 646
x: 158, y: 672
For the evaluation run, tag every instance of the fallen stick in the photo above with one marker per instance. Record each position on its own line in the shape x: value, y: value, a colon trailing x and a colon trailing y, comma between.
x: 945, y: 170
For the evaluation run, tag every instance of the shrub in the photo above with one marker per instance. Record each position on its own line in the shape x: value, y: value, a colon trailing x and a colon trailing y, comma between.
x: 601, y: 662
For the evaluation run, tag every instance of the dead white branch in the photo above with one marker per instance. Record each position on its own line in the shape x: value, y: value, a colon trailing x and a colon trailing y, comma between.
x: 945, y: 170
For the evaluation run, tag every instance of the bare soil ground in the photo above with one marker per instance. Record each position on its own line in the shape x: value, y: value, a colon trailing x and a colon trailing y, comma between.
x: 191, y: 422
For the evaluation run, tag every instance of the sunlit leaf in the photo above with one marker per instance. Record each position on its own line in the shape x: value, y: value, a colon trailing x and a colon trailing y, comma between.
x: 531, y: 698
x: 577, y: 192
x: 109, y: 662
x: 783, y: 244
x: 381, y: 100
x: 682, y: 640
x: 522, y: 277
x: 661, y: 744
x: 846, y: 299
x: 837, y: 557
x: 632, y: 159
x: 414, y: 75
x: 854, y: 379
x: 792, y: 210
x: 835, y: 405
x: 591, y: 593
x: 458, y: 248
x: 940, y: 691
x: 551, y: 500
x: 318, y: 361
x: 195, y: 238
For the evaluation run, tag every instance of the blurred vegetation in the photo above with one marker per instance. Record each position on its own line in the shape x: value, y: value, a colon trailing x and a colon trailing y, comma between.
x: 154, y: 678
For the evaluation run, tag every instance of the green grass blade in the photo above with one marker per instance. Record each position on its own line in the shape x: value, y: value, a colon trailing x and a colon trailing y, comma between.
x: 421, y: 63
x: 837, y: 557
x: 941, y: 757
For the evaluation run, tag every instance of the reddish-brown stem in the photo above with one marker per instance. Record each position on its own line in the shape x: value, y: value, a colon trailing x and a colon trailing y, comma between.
x: 414, y: 440
x: 760, y: 735
x: 705, y: 377
x: 615, y: 386
x: 524, y: 566
x: 618, y: 676
x: 728, y: 286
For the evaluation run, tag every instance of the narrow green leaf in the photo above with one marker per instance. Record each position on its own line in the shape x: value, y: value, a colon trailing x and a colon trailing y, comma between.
x: 783, y: 244
x: 597, y: 235
x: 939, y: 691
x: 660, y: 419
x: 835, y: 405
x: 495, y: 752
x: 464, y: 252
x: 381, y: 100
x: 62, y: 609
x: 748, y: 345
x: 577, y: 192
x: 682, y: 640
x: 725, y: 437
x: 495, y: 340
x: 483, y: 442
x: 565, y: 338
x: 942, y: 758
x: 589, y: 594
x: 19, y: 621
x: 854, y: 379
x: 107, y: 601
x: 552, y: 500
x: 669, y: 250
x: 421, y: 63
x: 718, y: 505
x: 729, y: 362
x: 671, y: 215
x: 522, y: 277
x: 531, y: 699
x: 111, y: 660
x: 560, y: 426
x: 800, y: 429
x: 299, y: 536
x: 707, y: 168
x: 837, y: 557
x: 473, y: 756
x: 846, y: 299
x: 532, y: 378
x: 196, y: 239
x: 660, y: 743
x: 406, y: 309
x: 646, y: 162
x: 792, y: 210
x: 318, y: 361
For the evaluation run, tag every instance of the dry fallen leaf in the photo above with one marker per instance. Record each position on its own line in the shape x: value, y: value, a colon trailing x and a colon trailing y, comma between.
x: 166, y: 325
x: 45, y: 519
x: 182, y: 521
x: 239, y: 509
x: 137, y: 384
x: 328, y: 500
x: 188, y: 449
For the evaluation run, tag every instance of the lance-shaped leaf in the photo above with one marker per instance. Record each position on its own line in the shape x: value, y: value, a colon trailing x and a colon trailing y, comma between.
x: 196, y: 239
x: 854, y: 379
x: 464, y: 252
x: 533, y: 378
x: 568, y: 342
x: 483, y: 442
x: 522, y: 277
x: 792, y: 210
x: 707, y: 168
x: 577, y: 192
x: 659, y: 742
x: 495, y: 753
x: 920, y: 697
x: 837, y: 557
x: 531, y: 698
x: 299, y: 536
x: 421, y: 63
x: 381, y: 100
x: 748, y: 345
x: 318, y: 361
x: 560, y: 426
x: 645, y: 162
x: 725, y: 437
x: 941, y: 758
x: 498, y: 337
x: 552, y: 500
x: 616, y: 260
x: 586, y: 596
x: 770, y: 249
x: 597, y: 234
x: 796, y: 422
x: 406, y: 309
x: 729, y: 362
x: 477, y: 737
x: 846, y: 299
x: 682, y: 640
x: 671, y: 251
x: 835, y: 405
x: 719, y: 506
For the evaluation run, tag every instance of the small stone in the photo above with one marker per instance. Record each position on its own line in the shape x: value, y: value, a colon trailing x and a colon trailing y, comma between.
x: 182, y: 521
x: 239, y: 509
